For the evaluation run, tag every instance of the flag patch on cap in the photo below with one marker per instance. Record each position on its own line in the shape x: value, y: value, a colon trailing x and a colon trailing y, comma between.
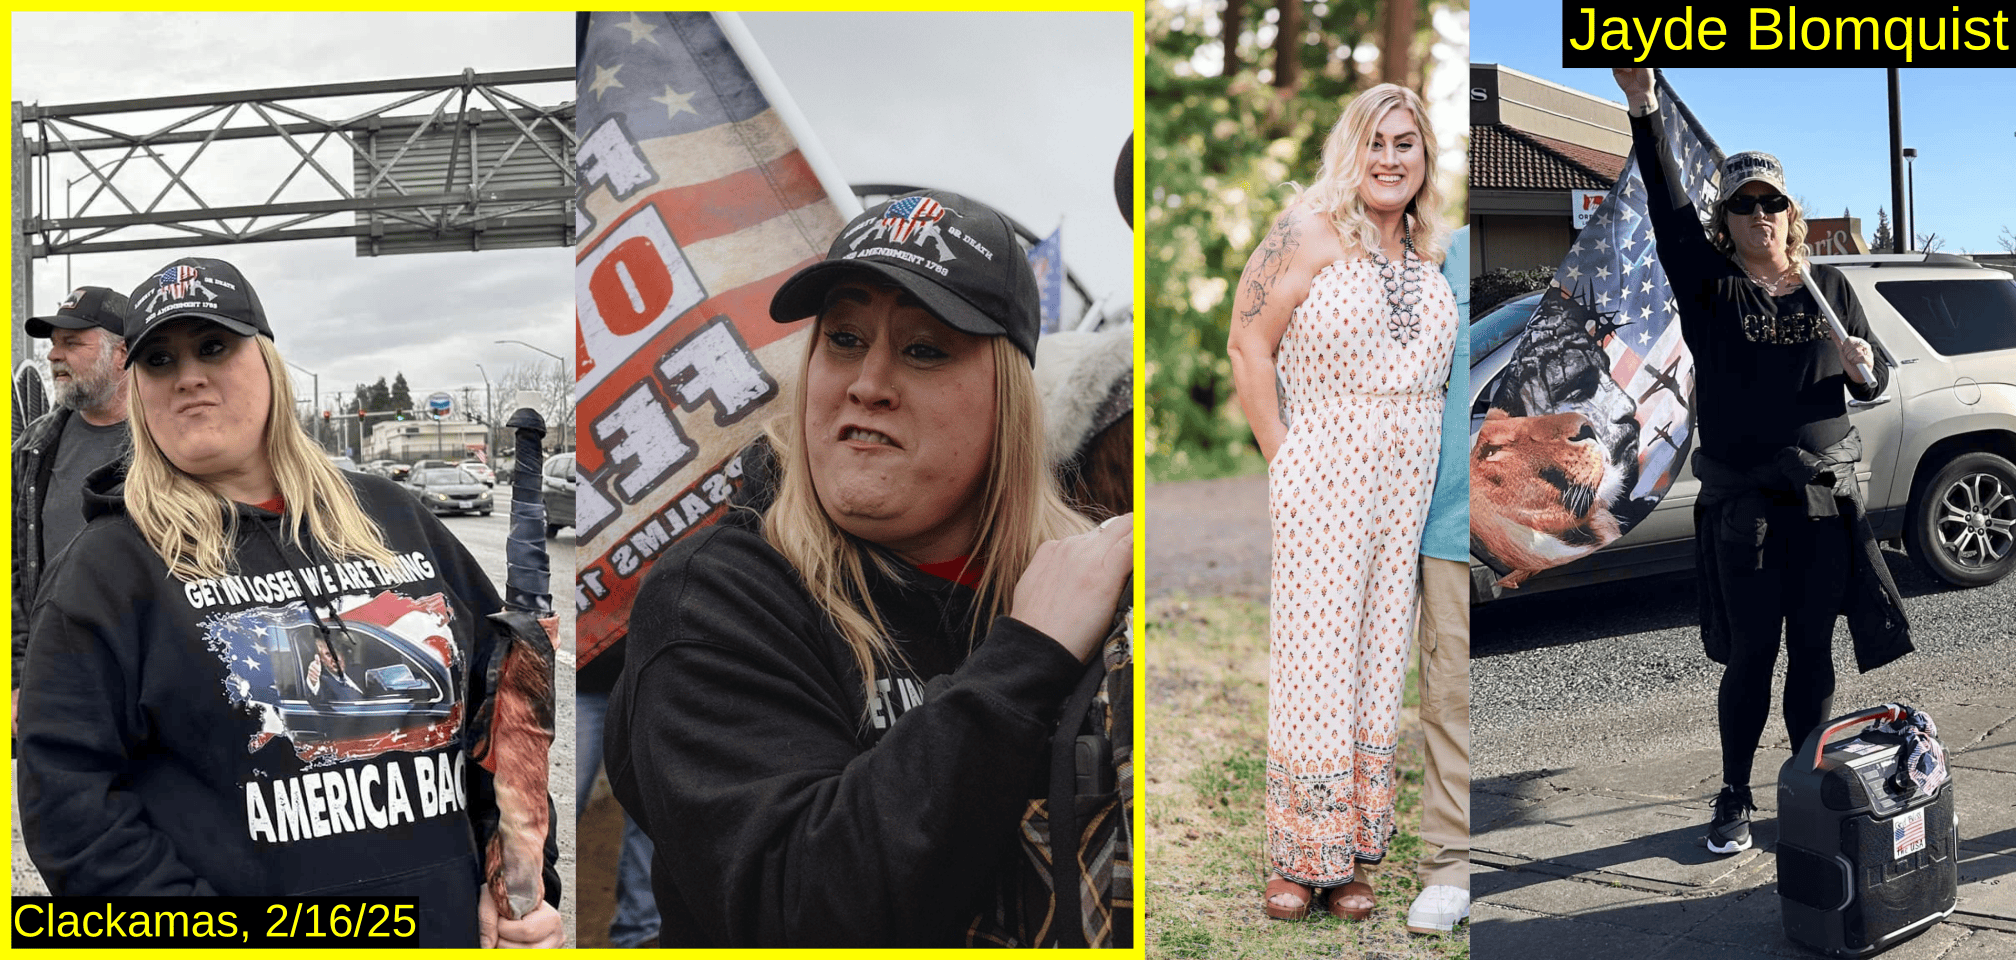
x: 909, y: 215
x: 176, y: 281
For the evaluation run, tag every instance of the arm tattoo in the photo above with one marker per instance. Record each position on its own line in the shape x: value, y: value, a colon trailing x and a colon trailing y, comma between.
x: 1281, y: 395
x: 1267, y: 265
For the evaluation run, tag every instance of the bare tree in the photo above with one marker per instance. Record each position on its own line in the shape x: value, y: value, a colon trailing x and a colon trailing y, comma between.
x: 556, y: 402
x: 1930, y: 242
x: 2007, y: 241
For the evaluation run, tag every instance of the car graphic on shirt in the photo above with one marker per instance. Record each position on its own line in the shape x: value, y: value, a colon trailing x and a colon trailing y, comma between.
x: 379, y: 675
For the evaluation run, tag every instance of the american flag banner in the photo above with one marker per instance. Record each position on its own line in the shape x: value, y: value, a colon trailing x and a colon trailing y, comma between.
x: 1592, y: 420
x: 1047, y: 259
x: 698, y: 199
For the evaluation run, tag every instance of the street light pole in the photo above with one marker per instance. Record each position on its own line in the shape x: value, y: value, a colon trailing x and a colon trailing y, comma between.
x: 1911, y: 191
x: 489, y: 419
x: 563, y: 361
x: 315, y: 398
x: 1900, y: 237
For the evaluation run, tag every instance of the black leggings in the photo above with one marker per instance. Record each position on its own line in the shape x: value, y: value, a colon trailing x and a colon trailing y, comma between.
x: 1799, y: 589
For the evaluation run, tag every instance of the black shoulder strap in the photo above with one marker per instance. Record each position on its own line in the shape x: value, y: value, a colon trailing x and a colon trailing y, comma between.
x: 1065, y: 887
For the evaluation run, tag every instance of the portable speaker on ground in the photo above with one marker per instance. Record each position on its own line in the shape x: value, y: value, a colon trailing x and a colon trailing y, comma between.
x: 1862, y: 866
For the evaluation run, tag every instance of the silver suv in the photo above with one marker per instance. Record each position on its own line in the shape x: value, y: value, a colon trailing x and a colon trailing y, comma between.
x: 1939, y: 467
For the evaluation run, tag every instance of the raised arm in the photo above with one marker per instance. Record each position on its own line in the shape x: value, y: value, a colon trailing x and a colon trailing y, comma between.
x: 1275, y: 282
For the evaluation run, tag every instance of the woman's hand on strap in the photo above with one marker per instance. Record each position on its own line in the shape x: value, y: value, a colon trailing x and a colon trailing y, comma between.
x: 1072, y: 586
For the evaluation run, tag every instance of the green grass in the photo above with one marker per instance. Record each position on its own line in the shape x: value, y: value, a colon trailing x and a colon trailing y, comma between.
x: 1207, y: 729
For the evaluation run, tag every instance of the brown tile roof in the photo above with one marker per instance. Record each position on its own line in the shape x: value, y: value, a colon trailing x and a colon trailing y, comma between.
x: 1507, y: 158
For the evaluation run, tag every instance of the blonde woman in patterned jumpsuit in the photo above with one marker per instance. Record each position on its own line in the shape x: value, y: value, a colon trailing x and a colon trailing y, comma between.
x: 1341, y: 342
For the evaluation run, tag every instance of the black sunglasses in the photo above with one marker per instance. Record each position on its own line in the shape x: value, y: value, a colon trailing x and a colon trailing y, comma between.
x: 1742, y: 204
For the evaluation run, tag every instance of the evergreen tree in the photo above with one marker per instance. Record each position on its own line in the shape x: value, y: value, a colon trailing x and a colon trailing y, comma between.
x: 1881, y: 242
x: 401, y: 397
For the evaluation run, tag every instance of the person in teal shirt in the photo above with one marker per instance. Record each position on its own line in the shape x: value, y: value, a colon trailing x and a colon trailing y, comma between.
x: 1444, y: 641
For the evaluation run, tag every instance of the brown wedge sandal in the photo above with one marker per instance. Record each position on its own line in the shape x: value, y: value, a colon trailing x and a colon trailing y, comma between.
x: 1283, y: 887
x: 1354, y: 889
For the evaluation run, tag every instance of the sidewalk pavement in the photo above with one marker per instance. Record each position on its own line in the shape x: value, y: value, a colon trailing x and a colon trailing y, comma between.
x: 1608, y: 861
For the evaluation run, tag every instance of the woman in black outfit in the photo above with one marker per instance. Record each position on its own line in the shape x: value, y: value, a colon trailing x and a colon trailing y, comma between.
x: 1779, y: 527
x: 837, y: 701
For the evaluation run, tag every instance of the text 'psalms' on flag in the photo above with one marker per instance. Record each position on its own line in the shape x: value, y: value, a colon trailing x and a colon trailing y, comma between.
x: 1047, y: 259
x: 697, y: 201
x: 1601, y: 360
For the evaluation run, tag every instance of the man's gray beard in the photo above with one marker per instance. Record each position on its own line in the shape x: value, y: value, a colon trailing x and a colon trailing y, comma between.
x: 78, y: 395
x: 80, y: 392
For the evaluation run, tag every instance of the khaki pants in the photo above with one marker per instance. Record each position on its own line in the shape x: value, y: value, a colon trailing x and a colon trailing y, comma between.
x: 1444, y: 643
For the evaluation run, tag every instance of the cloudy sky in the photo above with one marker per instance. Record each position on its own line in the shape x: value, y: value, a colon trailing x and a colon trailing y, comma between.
x: 351, y: 319
x: 1831, y: 128
x: 1025, y: 111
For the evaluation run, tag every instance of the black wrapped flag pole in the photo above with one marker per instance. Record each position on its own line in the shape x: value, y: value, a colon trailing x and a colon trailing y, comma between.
x: 515, y: 726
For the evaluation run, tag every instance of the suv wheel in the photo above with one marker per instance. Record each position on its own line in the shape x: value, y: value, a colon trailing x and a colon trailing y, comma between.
x: 1962, y: 527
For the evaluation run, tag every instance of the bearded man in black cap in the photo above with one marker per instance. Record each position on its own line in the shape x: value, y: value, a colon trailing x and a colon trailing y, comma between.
x: 87, y: 354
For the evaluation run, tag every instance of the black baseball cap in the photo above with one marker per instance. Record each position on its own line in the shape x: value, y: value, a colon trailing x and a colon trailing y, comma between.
x: 956, y: 254
x: 101, y: 307
x: 195, y: 287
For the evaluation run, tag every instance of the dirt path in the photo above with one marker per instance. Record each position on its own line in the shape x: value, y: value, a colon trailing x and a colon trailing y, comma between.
x: 1209, y: 538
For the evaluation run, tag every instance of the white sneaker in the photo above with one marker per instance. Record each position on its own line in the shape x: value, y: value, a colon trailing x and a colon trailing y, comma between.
x: 1438, y: 909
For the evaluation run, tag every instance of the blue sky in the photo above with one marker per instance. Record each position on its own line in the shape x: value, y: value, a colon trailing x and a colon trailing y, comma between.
x: 1829, y: 127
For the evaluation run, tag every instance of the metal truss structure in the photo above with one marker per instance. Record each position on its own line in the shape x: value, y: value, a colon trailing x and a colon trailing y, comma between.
x: 462, y: 162
x: 482, y: 167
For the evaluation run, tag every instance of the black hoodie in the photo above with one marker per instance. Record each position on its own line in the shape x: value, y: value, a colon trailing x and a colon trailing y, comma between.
x: 297, y: 728
x: 786, y: 810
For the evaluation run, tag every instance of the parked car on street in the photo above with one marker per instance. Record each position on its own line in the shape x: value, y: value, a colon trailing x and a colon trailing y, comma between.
x: 344, y: 463
x: 449, y: 490
x: 556, y: 487
x: 1939, y: 467
x: 480, y: 471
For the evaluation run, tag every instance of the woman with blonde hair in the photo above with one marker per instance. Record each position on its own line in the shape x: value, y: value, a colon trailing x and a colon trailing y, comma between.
x: 837, y: 701
x: 249, y: 674
x: 1781, y: 545
x: 1340, y: 346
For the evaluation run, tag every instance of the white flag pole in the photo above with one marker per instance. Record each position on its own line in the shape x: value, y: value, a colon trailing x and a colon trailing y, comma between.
x: 1834, y: 320
x: 773, y: 89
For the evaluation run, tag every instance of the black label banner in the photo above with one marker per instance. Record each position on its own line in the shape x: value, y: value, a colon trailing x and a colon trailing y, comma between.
x: 214, y: 922
x: 1611, y: 33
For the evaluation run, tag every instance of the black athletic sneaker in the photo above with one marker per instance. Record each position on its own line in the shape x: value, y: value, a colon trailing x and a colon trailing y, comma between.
x: 1729, y: 832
